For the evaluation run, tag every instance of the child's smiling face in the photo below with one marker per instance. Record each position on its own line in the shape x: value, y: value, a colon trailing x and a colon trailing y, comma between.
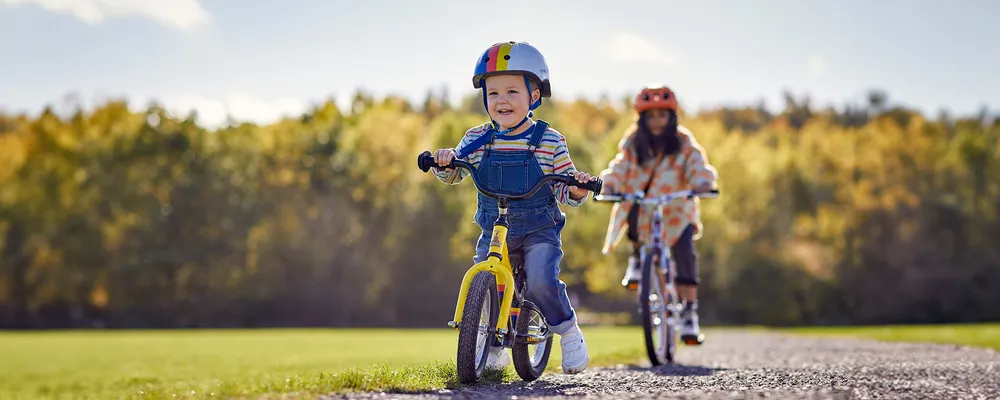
x: 508, y: 99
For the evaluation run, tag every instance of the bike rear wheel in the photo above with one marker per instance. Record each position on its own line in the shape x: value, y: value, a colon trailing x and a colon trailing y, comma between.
x: 533, y: 344
x: 477, y: 330
x: 658, y: 333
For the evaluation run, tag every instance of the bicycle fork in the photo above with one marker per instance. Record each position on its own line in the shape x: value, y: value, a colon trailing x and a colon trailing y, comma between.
x: 496, y: 264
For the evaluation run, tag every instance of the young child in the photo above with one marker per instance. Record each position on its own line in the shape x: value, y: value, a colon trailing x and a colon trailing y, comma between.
x: 659, y: 156
x: 511, y: 153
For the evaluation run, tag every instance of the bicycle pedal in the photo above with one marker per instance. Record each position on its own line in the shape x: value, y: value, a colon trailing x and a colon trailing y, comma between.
x: 693, y: 340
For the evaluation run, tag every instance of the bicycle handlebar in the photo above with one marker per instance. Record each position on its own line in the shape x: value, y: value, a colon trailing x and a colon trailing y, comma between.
x: 663, y: 199
x: 426, y: 160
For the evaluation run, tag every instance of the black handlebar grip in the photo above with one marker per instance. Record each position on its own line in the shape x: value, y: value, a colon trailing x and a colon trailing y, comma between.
x: 426, y: 160
x: 593, y: 186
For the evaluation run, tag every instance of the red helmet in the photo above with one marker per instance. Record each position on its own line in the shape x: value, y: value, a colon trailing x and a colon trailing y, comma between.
x: 655, y: 97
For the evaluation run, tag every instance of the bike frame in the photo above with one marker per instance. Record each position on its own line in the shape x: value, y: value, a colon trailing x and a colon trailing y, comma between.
x: 497, y: 263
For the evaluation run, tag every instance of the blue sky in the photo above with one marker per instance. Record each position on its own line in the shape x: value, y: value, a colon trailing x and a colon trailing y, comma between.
x: 257, y: 59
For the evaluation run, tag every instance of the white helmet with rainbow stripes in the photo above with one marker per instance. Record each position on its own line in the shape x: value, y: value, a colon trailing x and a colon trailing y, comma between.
x: 513, y: 57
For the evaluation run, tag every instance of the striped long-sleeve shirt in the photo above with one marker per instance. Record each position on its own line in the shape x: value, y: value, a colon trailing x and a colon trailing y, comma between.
x: 552, y: 155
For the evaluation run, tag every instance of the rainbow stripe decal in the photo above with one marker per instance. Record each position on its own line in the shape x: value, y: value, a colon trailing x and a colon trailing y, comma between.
x: 496, y: 54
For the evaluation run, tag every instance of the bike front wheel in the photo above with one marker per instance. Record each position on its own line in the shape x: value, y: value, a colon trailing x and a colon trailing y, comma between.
x: 658, y: 333
x: 476, y: 332
x: 532, y: 345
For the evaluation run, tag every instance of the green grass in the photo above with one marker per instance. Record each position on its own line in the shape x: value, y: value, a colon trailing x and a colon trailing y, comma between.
x: 977, y: 335
x: 250, y: 363
x: 302, y: 363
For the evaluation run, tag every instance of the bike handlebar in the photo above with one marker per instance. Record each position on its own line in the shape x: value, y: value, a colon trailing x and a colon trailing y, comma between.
x: 662, y: 199
x: 425, y: 161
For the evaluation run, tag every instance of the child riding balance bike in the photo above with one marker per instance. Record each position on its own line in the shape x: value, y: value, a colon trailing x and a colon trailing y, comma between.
x: 522, y: 170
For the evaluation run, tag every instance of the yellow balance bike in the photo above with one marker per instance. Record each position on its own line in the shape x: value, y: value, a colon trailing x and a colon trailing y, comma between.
x: 659, y: 305
x: 493, y: 293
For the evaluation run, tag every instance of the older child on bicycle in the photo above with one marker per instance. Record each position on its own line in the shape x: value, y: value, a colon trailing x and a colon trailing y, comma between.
x: 511, y: 153
x: 659, y: 156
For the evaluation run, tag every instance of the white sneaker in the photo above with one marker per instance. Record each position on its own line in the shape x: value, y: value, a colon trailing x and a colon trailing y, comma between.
x: 499, y: 358
x: 690, y: 323
x: 632, y: 273
x: 575, y: 358
x: 690, y: 331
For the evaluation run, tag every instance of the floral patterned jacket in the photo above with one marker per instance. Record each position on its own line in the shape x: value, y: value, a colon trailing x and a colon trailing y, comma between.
x: 685, y: 170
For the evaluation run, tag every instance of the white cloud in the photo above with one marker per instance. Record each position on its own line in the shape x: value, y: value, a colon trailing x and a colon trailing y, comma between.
x: 626, y: 47
x: 817, y: 66
x: 182, y: 14
x: 241, y: 106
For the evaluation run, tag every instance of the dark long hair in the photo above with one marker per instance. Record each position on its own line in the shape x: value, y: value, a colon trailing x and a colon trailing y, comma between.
x: 648, y: 146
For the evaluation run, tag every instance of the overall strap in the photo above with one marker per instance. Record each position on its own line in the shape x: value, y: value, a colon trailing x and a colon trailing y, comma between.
x: 534, y: 142
x: 481, y: 141
x: 536, y: 136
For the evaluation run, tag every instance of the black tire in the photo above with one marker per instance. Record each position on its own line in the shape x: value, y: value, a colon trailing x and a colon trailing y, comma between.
x: 649, y: 284
x: 470, y: 367
x: 526, y: 368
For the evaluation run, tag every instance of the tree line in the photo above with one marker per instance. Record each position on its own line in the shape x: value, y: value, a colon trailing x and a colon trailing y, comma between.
x: 870, y: 213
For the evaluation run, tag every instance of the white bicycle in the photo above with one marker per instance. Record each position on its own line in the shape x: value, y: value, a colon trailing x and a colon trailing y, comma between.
x: 659, y: 304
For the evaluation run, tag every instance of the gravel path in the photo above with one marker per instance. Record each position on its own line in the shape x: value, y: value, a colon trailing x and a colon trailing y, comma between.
x: 734, y: 364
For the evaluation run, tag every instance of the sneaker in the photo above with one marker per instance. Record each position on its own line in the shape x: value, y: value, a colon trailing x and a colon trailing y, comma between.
x: 632, y: 273
x: 690, y: 331
x: 575, y: 358
x: 499, y: 358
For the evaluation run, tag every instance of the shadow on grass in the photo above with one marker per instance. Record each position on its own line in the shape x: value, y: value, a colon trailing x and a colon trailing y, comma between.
x: 431, y: 378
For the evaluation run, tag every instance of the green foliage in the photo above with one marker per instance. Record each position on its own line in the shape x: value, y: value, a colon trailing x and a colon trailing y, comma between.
x: 873, y: 214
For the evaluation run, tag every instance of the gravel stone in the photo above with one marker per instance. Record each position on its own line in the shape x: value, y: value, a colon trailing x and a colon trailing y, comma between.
x: 762, y: 365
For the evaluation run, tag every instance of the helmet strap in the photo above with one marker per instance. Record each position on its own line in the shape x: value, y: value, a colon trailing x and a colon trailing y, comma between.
x: 536, y: 103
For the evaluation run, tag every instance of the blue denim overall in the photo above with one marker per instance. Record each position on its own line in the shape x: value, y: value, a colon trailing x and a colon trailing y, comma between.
x: 535, y: 223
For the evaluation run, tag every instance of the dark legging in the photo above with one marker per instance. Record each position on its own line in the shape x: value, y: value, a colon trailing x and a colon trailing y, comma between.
x: 683, y: 251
